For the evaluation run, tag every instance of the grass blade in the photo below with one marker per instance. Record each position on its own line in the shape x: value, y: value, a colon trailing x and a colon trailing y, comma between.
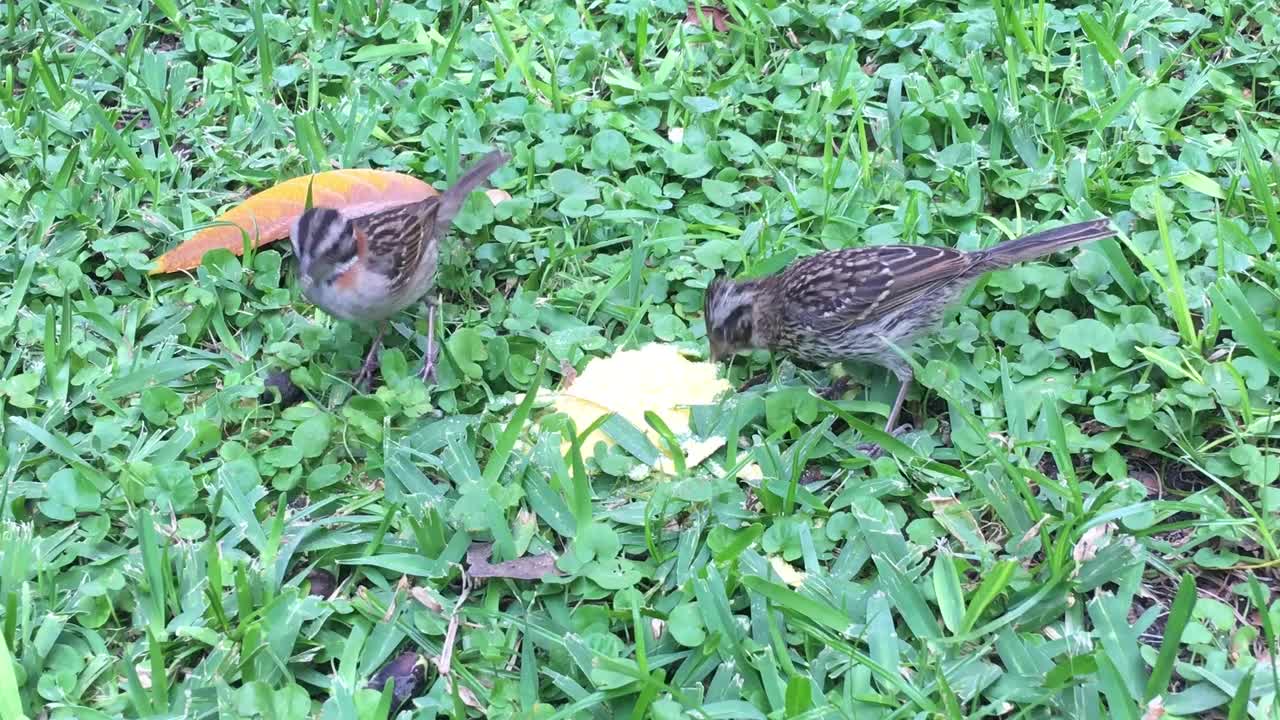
x: 10, y: 700
x: 18, y: 293
x: 1119, y: 703
x: 947, y: 589
x: 1239, y: 707
x: 507, y: 441
x: 1229, y: 300
x: 1179, y: 614
x: 793, y: 603
x: 1101, y: 39
x: 1263, y: 186
x: 1176, y: 289
x: 993, y: 583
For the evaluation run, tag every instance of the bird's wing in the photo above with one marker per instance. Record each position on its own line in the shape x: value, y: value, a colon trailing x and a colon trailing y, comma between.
x: 394, y: 242
x: 842, y: 288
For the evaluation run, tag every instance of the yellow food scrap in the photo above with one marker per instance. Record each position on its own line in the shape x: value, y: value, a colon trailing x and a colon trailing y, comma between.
x: 655, y: 378
x: 789, y: 575
x: 497, y: 196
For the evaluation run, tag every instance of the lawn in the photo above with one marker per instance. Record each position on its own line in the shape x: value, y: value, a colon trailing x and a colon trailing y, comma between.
x: 200, y: 517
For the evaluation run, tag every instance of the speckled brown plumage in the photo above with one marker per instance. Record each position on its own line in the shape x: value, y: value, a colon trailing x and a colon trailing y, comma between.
x: 858, y: 303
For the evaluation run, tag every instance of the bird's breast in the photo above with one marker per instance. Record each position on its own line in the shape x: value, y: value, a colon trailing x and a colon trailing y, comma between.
x: 348, y: 281
x: 354, y: 295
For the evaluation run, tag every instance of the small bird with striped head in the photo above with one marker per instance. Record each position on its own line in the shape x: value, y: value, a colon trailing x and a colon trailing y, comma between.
x: 366, y: 269
x: 862, y: 303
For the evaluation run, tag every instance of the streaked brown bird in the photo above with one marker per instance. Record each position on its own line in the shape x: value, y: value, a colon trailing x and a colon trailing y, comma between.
x: 366, y: 269
x: 859, y: 303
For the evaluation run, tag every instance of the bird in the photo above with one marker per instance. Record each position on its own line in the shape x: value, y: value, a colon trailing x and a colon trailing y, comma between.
x: 365, y: 269
x: 862, y: 303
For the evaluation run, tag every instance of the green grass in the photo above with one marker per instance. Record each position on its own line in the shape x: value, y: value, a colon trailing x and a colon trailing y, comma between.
x: 1081, y: 525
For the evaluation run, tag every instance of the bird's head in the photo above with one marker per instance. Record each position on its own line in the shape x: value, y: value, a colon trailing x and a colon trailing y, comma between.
x: 325, y: 243
x: 729, y: 312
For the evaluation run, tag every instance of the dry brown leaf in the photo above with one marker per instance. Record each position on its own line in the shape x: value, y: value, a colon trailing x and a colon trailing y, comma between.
x: 323, y: 583
x: 424, y: 598
x: 409, y: 674
x: 718, y: 16
x: 1089, y: 543
x: 144, y: 675
x: 464, y: 693
x: 529, y: 567
x: 1149, y: 480
x: 568, y: 374
x: 812, y: 474
x: 1034, y: 530
x: 941, y: 502
x: 525, y: 518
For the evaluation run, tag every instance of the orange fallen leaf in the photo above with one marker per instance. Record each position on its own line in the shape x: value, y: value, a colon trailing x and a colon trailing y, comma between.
x: 268, y: 215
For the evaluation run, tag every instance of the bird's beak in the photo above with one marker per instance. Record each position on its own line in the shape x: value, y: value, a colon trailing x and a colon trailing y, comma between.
x: 717, y: 351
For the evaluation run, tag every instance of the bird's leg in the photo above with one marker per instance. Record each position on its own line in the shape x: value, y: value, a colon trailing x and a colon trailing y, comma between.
x: 428, y: 372
x: 905, y: 377
x: 365, y: 376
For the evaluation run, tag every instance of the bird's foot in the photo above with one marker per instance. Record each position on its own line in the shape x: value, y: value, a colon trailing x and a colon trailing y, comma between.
x: 428, y: 371
x: 836, y: 389
x: 753, y: 381
x: 873, y: 450
x: 364, y: 379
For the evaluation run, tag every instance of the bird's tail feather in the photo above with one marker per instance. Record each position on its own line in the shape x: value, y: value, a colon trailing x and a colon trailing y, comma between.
x: 1043, y: 243
x: 451, y: 200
